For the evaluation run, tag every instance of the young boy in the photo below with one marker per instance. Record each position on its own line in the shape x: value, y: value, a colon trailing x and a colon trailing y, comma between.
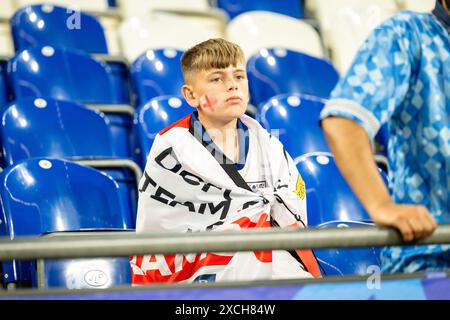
x: 217, y: 169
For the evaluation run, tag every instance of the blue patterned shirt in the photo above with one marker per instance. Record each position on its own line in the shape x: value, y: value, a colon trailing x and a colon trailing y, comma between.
x: 401, y: 77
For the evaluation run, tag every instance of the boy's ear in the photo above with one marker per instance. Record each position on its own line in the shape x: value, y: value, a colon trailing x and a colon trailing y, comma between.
x: 189, y: 95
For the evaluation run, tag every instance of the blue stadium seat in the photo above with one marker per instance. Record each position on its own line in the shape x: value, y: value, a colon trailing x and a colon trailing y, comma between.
x: 343, y: 261
x: 75, y: 76
x: 295, y: 119
x: 57, y: 26
x: 34, y: 127
x: 276, y: 71
x: 155, y: 73
x: 329, y: 197
x: 293, y: 8
x: 38, y: 127
x: 67, y: 75
x: 43, y: 195
x: 156, y: 115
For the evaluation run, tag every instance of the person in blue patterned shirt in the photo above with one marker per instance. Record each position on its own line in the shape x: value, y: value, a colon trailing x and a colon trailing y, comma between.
x: 400, y: 78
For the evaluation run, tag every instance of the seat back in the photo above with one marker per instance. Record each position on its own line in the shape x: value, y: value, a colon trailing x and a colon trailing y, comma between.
x: 136, y: 7
x: 233, y: 8
x: 344, y: 261
x: 255, y: 30
x: 294, y: 118
x: 37, y: 127
x: 76, y: 13
x: 325, y: 12
x: 46, y: 24
x: 42, y: 195
x: 417, y: 5
x: 329, y: 197
x: 275, y: 71
x: 352, y: 26
x: 156, y: 73
x: 156, y: 115
x: 158, y: 29
x: 66, y: 75
x: 88, y: 5
x: 7, y: 9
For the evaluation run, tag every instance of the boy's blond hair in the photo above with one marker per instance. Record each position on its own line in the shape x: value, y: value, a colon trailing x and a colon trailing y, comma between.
x: 210, y: 54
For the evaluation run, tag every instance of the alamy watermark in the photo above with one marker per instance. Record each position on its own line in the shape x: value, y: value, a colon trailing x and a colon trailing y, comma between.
x: 373, y: 282
x: 74, y: 19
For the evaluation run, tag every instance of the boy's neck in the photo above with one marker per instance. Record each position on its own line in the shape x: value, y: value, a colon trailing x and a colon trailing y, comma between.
x: 223, y: 134
x: 211, y: 124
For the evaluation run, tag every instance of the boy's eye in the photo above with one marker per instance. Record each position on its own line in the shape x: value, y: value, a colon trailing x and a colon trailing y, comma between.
x: 240, y: 77
x: 216, y: 79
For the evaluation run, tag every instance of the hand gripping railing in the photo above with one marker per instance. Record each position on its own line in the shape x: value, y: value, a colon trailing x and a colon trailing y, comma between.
x: 108, y: 244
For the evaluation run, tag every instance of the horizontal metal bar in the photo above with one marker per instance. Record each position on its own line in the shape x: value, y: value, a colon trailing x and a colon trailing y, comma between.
x: 112, y: 108
x: 114, y: 163
x: 115, y: 244
x: 111, y: 58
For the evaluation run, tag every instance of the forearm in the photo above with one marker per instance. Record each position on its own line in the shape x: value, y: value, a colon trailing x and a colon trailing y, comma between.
x: 353, y: 154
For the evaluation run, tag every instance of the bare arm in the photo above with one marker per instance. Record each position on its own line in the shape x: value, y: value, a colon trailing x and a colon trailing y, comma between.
x: 351, y: 148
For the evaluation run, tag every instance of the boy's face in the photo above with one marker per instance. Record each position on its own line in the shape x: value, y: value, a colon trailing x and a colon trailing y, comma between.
x: 220, y: 95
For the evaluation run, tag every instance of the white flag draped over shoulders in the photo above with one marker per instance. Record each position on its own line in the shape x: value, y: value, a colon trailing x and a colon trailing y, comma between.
x: 190, y: 186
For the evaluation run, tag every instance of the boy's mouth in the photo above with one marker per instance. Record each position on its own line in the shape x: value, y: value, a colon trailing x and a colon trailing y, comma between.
x: 234, y: 99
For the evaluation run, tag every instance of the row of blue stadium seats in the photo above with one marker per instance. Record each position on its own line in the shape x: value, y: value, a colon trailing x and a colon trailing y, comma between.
x: 49, y: 72
x: 63, y: 27
x: 37, y: 26
x: 74, y: 76
x: 155, y: 73
x: 33, y: 127
x: 158, y: 72
x: 137, y: 25
x: 232, y: 8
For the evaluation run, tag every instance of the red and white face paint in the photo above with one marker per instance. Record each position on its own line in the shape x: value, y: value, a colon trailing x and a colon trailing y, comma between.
x: 205, y: 102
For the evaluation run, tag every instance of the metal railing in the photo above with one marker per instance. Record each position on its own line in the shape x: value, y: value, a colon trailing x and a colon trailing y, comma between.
x: 115, y: 163
x: 113, y: 243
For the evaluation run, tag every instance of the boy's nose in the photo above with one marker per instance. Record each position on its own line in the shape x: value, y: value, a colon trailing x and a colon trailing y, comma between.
x: 232, y: 85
